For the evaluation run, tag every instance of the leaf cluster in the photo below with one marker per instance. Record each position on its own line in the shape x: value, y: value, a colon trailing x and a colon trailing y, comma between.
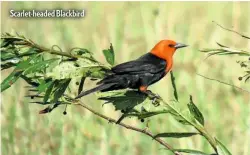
x: 227, y: 51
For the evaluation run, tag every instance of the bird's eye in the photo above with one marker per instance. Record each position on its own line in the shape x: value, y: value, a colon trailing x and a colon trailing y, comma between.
x: 171, y: 45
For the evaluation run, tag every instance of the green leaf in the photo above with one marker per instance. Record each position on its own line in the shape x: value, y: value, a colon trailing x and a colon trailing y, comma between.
x: 9, y: 63
x: 109, y: 55
x: 143, y: 115
x: 30, y: 51
x: 195, y: 111
x: 23, y: 65
x: 33, y: 81
x: 235, y: 53
x: 127, y: 100
x: 48, y: 92
x: 132, y: 104
x: 221, y: 149
x: 14, y: 53
x: 174, y: 85
x: 22, y: 68
x: 10, y: 80
x: 7, y: 54
x: 123, y: 100
x: 60, y: 89
x: 190, y: 151
x: 176, y: 134
x: 81, y: 85
x: 39, y: 66
x: 43, y: 86
x: 225, y: 51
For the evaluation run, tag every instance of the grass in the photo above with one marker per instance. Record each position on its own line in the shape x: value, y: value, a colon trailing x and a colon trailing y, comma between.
x: 133, y: 28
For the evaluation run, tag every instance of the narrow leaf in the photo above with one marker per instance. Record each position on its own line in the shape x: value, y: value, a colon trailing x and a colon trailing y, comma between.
x: 60, y: 89
x: 195, y: 111
x: 43, y: 86
x: 222, y: 150
x: 81, y: 85
x: 140, y: 115
x: 152, y: 113
x: 30, y: 81
x: 176, y: 134
x: 7, y: 54
x: 10, y: 80
x: 174, y: 85
x: 48, y: 92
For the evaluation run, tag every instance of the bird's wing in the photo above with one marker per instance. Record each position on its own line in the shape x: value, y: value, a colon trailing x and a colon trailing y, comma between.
x: 140, y: 66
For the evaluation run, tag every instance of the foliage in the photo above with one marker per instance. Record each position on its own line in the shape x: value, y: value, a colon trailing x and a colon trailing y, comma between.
x: 110, y: 55
x: 50, y: 78
x: 225, y: 50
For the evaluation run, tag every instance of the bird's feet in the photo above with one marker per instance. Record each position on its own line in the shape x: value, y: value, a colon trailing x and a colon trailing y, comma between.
x: 154, y: 97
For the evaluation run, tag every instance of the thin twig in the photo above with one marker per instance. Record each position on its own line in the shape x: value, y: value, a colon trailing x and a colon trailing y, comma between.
x: 144, y: 131
x: 44, y: 49
x: 56, y: 52
x: 242, y: 35
x: 224, y: 83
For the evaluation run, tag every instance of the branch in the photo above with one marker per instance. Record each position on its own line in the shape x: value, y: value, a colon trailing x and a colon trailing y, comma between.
x: 144, y: 131
x: 242, y: 35
x: 28, y: 42
x: 224, y: 83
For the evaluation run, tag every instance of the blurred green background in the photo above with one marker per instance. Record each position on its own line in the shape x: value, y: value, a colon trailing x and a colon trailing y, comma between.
x: 133, y: 28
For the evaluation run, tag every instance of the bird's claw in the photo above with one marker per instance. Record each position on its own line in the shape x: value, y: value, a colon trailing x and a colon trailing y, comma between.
x: 154, y: 97
x: 155, y: 102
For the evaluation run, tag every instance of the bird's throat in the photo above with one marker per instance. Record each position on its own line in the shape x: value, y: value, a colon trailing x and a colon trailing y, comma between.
x: 169, y: 61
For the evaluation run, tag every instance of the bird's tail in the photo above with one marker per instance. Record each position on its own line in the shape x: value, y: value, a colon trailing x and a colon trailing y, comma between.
x: 98, y: 88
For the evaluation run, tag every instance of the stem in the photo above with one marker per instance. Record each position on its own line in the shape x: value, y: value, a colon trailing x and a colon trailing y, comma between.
x: 198, y: 127
x: 56, y: 52
x: 43, y: 49
x: 242, y: 35
x: 144, y: 131
x: 231, y: 85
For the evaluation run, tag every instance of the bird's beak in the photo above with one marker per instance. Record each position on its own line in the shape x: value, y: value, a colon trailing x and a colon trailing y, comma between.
x: 180, y: 45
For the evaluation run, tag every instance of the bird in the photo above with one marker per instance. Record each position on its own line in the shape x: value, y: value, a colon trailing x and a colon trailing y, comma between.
x: 139, y: 73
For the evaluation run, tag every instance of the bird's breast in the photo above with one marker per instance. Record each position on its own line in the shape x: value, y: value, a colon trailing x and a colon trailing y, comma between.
x: 169, y: 65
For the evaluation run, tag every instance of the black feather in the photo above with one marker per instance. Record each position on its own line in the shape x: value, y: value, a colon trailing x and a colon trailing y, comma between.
x: 98, y: 88
x: 148, y: 63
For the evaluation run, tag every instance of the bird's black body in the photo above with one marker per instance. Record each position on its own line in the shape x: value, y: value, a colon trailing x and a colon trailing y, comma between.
x: 143, y: 71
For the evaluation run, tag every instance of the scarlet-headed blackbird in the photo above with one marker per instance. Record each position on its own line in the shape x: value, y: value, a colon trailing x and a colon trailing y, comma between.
x: 142, y: 72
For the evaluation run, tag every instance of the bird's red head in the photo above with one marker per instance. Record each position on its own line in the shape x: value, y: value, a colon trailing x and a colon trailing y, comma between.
x: 166, y: 48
